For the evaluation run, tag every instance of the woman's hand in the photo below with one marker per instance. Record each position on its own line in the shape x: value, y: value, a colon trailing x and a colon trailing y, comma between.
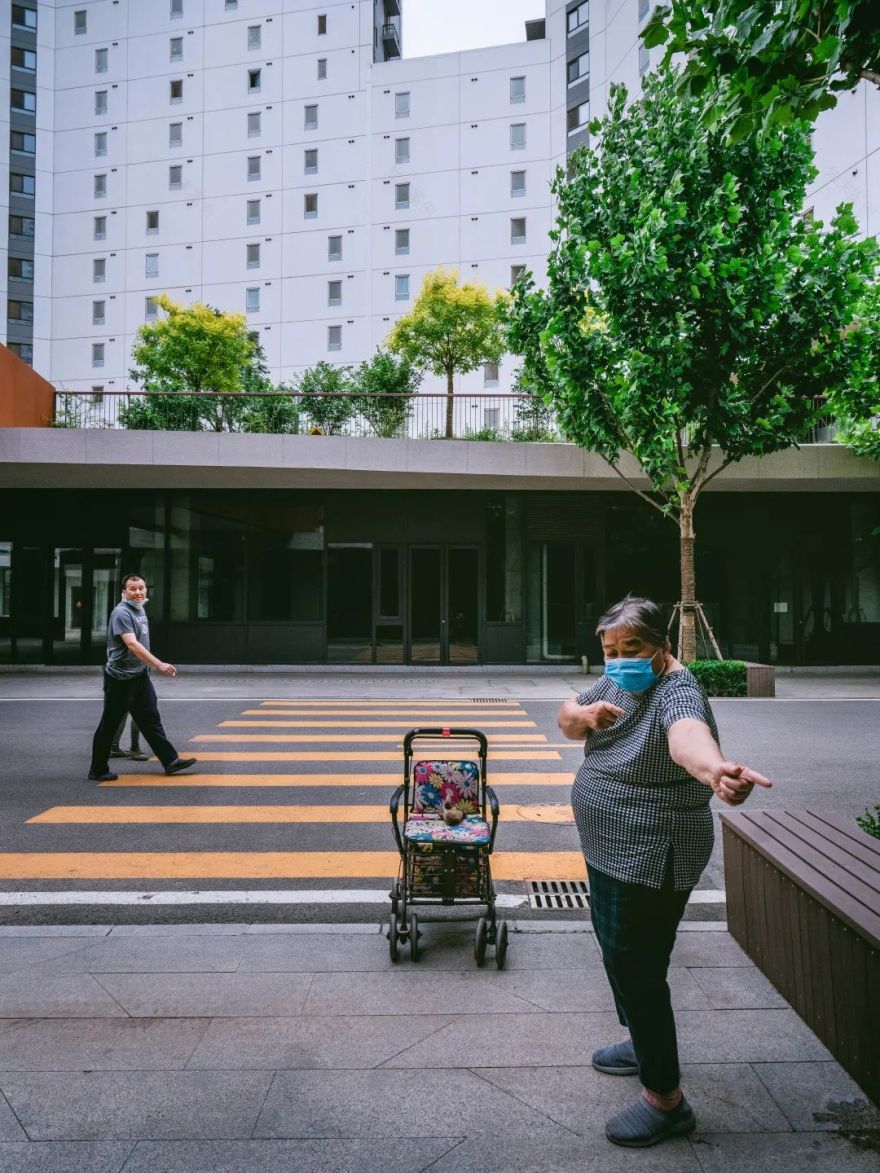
x: 733, y: 783
x: 576, y: 721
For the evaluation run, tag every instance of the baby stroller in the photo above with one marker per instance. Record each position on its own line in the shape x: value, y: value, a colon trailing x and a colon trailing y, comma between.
x: 445, y: 843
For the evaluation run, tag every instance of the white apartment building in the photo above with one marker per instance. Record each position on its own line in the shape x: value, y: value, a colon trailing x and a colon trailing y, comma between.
x: 280, y: 158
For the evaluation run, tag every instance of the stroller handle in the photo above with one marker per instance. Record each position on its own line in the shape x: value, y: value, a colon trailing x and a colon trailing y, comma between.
x: 447, y: 732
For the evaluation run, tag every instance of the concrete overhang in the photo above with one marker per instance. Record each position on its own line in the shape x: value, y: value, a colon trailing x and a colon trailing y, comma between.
x: 115, y: 459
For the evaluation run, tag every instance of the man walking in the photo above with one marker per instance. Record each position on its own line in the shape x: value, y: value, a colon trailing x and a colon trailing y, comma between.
x: 127, y: 685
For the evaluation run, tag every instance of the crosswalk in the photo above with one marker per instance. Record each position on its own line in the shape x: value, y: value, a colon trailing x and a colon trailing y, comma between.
x: 326, y: 818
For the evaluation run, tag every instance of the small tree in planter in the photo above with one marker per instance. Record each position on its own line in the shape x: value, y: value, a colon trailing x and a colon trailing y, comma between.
x: 383, y: 387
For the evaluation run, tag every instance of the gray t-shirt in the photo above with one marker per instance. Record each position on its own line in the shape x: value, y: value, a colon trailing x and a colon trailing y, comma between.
x: 121, y: 663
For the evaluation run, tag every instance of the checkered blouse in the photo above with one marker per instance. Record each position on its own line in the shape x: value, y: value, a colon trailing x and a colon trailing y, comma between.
x: 630, y: 799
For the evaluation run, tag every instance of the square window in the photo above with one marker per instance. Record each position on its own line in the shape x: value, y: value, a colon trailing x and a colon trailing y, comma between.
x: 20, y: 311
x: 99, y: 229
x: 101, y: 62
x: 24, y: 350
x: 175, y: 90
x: 97, y: 354
x: 24, y: 59
x: 254, y: 167
x: 152, y: 223
x: 24, y: 18
x: 252, y: 301
x: 310, y: 161
x: 151, y: 309
x: 334, y: 248
x: 175, y: 134
x: 176, y: 48
x: 401, y: 105
x: 253, y: 211
x: 401, y: 287
x: 255, y: 81
x: 517, y: 89
x: 151, y: 265
x: 21, y: 268
x: 517, y: 183
x: 22, y: 226
x: 579, y: 17
x: 255, y: 36
x: 334, y: 293
x: 98, y: 313
x: 578, y: 68
x: 578, y: 117
x: 401, y: 195
x: 310, y: 117
x: 322, y: 68
x: 254, y: 124
x: 23, y: 100
x: 175, y: 177
x: 490, y: 374
x: 100, y: 101
x: 100, y: 143
x: 491, y: 417
x: 231, y: 5
x: 518, y: 230
x: 99, y: 269
x: 310, y: 205
x: 97, y: 393
x: 253, y: 256
x: 517, y: 136
x: 401, y: 150
x: 100, y: 187
x: 334, y: 338
x: 401, y: 242
x: 322, y: 25
x: 79, y: 22
x: 25, y: 185
x: 516, y: 271
x: 176, y: 8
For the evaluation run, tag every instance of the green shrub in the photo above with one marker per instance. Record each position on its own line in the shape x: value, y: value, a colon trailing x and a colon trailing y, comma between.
x: 870, y: 822
x: 720, y: 677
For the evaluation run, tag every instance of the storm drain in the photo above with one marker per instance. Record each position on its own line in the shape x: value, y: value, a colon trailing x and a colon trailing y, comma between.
x: 558, y: 894
x: 489, y: 700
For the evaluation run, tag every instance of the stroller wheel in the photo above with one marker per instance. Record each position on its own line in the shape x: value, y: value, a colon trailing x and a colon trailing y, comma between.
x: 480, y: 938
x: 501, y: 944
x: 413, y: 937
x: 392, y: 937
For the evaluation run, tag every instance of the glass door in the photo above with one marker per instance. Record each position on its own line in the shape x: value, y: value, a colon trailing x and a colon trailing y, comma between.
x: 350, y: 604
x: 427, y: 619
x: 462, y: 579
x: 106, y: 577
x: 444, y: 604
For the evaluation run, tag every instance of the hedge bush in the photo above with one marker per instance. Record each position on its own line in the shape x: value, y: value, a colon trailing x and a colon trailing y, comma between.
x: 870, y: 822
x: 720, y: 677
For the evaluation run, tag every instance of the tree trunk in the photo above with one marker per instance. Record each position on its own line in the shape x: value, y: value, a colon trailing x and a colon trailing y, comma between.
x: 450, y: 376
x: 687, y: 639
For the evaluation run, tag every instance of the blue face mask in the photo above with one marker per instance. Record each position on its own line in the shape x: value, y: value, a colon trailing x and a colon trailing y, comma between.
x: 634, y: 675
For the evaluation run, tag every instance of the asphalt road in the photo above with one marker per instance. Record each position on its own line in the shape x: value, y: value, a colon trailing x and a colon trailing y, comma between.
x: 200, y: 833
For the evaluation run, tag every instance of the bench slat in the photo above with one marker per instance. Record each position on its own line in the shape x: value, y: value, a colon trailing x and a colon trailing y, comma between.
x: 865, y: 855
x: 851, y: 836
x: 819, y: 852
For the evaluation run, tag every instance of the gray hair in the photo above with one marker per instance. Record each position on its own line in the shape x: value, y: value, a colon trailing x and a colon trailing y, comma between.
x: 640, y: 615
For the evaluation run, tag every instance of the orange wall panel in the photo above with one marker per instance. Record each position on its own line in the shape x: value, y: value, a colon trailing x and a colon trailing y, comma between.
x: 26, y: 399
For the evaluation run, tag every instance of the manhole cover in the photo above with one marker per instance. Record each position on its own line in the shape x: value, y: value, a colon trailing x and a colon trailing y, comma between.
x: 558, y: 894
x: 546, y: 812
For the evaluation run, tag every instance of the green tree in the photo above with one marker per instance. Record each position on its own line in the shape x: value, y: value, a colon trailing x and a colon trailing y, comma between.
x: 769, y: 62
x: 532, y: 414
x: 855, y: 405
x: 692, y: 315
x: 383, y: 389
x: 451, y: 328
x: 326, y: 397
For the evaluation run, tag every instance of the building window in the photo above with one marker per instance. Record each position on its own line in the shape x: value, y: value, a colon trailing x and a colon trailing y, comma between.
x: 175, y: 177
x: 175, y: 46
x: 97, y: 393
x: 518, y: 230
x: 20, y: 269
x: 24, y: 18
x: 22, y: 184
x: 231, y: 5
x: 22, y: 143
x: 517, y: 183
x: 334, y: 293
x: 254, y: 81
x: 252, y: 301
x: 401, y: 150
x: 151, y: 309
x: 175, y: 134
x: 310, y: 205
x: 23, y: 350
x: 310, y: 161
x: 254, y: 124
x: 151, y: 265
x: 334, y: 338
x: 644, y: 8
x: 176, y: 9
x: 401, y: 195
x: 100, y: 143
x: 517, y: 89
x: 401, y: 287
x: 152, y: 223
x: 322, y: 25
x: 99, y: 231
x: 578, y: 117
x: 254, y: 167
x: 579, y: 17
x: 490, y: 374
x: 401, y: 105
x: 255, y: 36
x: 401, y: 242
x: 334, y: 248
x: 253, y: 211
x: 99, y: 270
x: 310, y: 119
x: 79, y: 22
x: 253, y: 256
x: 98, y: 313
x: 100, y: 101
x: 101, y: 63
x: 517, y: 136
x: 20, y: 311
x: 23, y: 101
x: 100, y: 187
x: 97, y: 354
x: 644, y: 59
x: 24, y: 59
x: 322, y: 69
x: 578, y: 68
x: 22, y: 226
x: 175, y: 90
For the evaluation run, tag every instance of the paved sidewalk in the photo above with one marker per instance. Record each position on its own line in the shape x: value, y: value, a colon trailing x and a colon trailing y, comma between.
x: 256, y: 1048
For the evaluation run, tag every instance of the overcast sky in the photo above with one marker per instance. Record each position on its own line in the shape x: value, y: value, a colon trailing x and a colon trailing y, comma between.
x: 443, y: 26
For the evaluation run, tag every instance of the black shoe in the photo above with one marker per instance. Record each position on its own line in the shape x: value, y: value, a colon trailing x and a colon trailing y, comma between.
x: 618, y: 1059
x: 641, y: 1125
x: 108, y: 777
x: 179, y: 764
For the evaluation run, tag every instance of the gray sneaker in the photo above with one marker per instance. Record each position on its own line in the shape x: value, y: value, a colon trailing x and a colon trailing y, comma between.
x: 618, y: 1059
x: 641, y: 1125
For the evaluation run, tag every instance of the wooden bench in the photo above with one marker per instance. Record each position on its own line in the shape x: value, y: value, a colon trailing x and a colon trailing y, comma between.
x: 803, y: 901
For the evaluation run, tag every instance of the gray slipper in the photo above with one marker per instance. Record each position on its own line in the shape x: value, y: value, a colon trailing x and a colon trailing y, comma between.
x: 640, y: 1125
x: 618, y: 1059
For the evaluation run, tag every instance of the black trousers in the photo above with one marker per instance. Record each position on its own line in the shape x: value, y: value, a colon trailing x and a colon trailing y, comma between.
x: 636, y: 926
x: 138, y: 697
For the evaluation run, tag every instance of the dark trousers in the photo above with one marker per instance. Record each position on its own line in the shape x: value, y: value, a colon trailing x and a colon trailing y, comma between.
x: 635, y: 926
x: 138, y: 697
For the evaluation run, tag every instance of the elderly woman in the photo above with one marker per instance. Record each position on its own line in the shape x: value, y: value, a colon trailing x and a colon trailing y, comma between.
x: 641, y: 802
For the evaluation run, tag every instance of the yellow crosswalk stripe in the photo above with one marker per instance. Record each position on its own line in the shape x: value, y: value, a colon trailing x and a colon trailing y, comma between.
x: 262, y: 865
x: 375, y: 813
x: 389, y: 780
x: 407, y: 704
x: 401, y: 725
x: 466, y: 716
x: 498, y: 755
x: 344, y: 738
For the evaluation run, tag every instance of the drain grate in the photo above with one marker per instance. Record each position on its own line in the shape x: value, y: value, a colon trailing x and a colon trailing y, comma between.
x: 489, y: 700
x: 558, y: 894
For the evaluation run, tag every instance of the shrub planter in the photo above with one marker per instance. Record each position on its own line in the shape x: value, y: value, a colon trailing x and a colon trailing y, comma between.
x: 734, y: 677
x: 760, y: 680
